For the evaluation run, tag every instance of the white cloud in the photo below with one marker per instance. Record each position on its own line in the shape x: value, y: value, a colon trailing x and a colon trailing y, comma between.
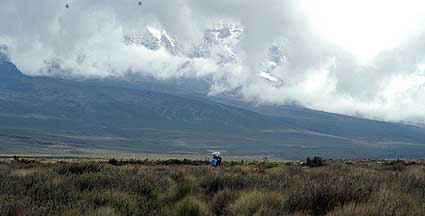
x: 366, y: 27
x: 86, y: 40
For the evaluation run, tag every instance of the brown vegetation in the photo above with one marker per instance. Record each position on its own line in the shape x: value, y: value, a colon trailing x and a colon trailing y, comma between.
x: 185, y: 187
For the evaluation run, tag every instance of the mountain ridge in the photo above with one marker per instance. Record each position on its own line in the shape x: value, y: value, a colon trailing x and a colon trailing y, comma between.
x: 60, y: 115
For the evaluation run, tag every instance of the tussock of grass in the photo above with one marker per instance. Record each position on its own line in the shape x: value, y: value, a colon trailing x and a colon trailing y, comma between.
x: 222, y: 200
x: 257, y: 203
x: 191, y: 206
x: 386, y: 203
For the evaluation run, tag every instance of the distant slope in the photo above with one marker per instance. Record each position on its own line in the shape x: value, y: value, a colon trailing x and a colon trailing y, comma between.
x: 48, y: 115
x: 336, y: 124
x: 79, y: 103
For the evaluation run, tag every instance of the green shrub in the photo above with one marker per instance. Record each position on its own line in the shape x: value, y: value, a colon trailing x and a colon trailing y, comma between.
x: 79, y: 168
x: 355, y: 210
x: 257, y: 203
x: 191, y: 206
x: 385, y: 203
x: 114, y: 162
x: 104, y: 211
x: 12, y: 206
x: 214, y: 183
x: 175, y: 193
x: 326, y: 189
x: 412, y: 181
x: 222, y: 200
x: 389, y: 202
x: 315, y: 162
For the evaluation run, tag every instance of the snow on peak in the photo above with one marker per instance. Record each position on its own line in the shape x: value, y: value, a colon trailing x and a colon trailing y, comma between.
x: 223, y: 33
x: 171, y: 40
x: 219, y: 43
x: 268, y: 76
x: 275, y: 58
x: 153, y: 39
x: 155, y: 32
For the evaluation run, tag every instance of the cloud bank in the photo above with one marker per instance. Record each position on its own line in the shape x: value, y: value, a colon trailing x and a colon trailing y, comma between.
x: 86, y: 40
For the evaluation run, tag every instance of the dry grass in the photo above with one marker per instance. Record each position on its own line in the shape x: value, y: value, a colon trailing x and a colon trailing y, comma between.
x: 28, y: 171
x: 184, y: 187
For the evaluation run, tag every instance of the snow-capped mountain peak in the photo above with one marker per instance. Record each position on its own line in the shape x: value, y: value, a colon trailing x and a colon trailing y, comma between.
x: 155, y: 32
x: 219, y: 43
x: 268, y: 76
x: 169, y: 39
x: 153, y: 39
x: 274, y: 59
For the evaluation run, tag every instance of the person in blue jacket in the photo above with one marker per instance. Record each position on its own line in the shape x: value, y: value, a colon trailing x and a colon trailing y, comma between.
x: 216, y: 161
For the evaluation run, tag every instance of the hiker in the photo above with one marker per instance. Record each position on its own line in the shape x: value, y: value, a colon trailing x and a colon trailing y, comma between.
x: 216, y: 161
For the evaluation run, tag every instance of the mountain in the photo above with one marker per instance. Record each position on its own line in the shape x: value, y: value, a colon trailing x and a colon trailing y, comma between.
x: 43, y: 115
x: 153, y: 39
x: 218, y: 43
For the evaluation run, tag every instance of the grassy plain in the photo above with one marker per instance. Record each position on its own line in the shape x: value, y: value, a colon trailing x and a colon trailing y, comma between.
x: 192, y: 187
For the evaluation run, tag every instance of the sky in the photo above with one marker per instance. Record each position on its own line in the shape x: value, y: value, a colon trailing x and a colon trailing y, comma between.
x: 354, y: 57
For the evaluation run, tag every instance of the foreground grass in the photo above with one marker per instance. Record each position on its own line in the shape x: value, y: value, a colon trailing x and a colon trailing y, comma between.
x: 186, y: 187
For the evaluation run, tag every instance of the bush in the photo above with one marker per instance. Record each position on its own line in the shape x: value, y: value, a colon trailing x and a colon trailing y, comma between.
x: 214, y: 183
x: 222, y: 200
x: 412, y: 181
x: 389, y: 202
x: 395, y: 165
x: 355, y: 210
x: 319, y: 194
x: 114, y: 162
x: 385, y: 203
x: 175, y: 193
x: 12, y: 207
x: 191, y: 206
x: 104, y: 211
x: 79, y: 168
x: 257, y: 203
x: 315, y: 162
